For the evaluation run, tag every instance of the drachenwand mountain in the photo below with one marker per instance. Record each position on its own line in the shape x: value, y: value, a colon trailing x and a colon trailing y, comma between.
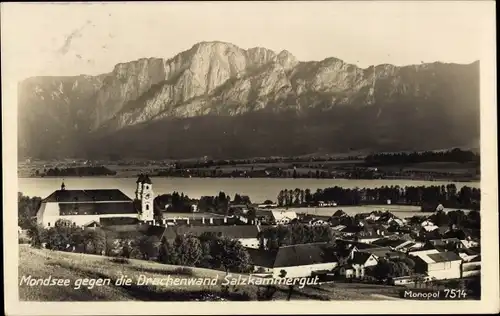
x: 222, y: 101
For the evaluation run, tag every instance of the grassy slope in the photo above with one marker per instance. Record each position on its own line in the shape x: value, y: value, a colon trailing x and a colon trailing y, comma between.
x: 42, y: 263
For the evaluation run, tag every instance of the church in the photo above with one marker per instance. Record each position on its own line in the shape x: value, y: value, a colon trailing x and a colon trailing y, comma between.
x: 90, y: 207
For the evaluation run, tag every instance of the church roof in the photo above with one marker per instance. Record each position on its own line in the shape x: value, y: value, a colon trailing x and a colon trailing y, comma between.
x: 147, y: 180
x: 143, y: 179
x: 82, y: 196
x: 97, y: 208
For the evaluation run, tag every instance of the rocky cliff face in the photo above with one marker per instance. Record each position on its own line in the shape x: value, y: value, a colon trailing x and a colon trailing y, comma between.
x: 218, y: 85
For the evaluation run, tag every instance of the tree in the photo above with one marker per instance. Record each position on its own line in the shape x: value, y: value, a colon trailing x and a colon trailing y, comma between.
x: 383, y: 270
x: 230, y: 255
x: 188, y: 249
x: 95, y: 241
x: 149, y: 247
x: 167, y: 253
x: 59, y: 237
x: 281, y: 198
x: 26, y: 210
x: 37, y: 235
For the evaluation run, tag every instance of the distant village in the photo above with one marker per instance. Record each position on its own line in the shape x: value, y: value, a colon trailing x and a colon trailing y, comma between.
x: 275, y: 241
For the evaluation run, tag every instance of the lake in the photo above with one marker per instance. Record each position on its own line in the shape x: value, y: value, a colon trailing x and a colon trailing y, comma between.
x: 259, y: 190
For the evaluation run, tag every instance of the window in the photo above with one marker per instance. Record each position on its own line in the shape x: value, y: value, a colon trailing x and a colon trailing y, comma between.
x: 147, y: 207
x: 48, y: 224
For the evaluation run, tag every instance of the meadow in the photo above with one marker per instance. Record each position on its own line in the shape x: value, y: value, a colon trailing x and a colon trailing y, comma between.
x: 41, y: 263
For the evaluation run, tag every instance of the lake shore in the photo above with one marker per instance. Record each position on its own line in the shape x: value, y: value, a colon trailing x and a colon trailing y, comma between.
x: 258, y: 190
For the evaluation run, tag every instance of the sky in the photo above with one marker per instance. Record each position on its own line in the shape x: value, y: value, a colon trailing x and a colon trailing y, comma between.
x: 72, y: 39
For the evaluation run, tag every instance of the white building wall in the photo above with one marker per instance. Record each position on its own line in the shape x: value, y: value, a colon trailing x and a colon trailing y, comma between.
x: 444, y: 270
x: 303, y: 271
x: 470, y: 269
x: 250, y: 242
x: 48, y: 214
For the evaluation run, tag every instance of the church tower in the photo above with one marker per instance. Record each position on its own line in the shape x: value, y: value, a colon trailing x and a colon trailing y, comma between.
x: 145, y: 194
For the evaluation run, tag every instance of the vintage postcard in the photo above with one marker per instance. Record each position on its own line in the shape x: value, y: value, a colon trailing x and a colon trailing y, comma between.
x: 249, y: 157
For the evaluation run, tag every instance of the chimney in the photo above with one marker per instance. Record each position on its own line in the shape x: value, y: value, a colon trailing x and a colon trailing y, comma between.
x: 225, y: 220
x: 211, y: 220
x: 188, y: 220
x: 203, y: 220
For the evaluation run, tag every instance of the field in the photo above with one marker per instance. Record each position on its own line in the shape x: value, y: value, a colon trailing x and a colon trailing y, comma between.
x: 44, y: 263
x: 448, y: 167
x: 128, y: 170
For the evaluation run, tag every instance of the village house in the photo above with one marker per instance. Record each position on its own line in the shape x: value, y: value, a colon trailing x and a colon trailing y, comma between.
x: 326, y: 204
x: 469, y: 243
x: 87, y: 207
x: 444, y: 244
x: 471, y: 267
x: 355, y: 267
x: 437, y: 264
x: 397, y: 244
x: 276, y: 216
x: 267, y: 205
x: 295, y: 261
x: 382, y: 252
x: 428, y: 226
x: 371, y: 232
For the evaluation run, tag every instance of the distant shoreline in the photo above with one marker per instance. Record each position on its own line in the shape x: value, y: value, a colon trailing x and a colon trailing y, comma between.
x: 291, y: 178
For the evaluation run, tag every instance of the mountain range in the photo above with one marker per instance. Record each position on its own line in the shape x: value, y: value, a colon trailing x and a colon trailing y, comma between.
x: 222, y: 101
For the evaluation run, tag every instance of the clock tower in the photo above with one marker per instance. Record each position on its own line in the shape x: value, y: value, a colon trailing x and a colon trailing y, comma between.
x: 145, y: 194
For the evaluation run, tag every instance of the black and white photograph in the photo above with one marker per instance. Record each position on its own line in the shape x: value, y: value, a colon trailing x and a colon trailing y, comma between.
x: 299, y: 156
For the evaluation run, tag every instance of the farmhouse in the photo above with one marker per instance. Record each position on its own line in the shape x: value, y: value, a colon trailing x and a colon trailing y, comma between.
x: 295, y: 261
x: 88, y: 207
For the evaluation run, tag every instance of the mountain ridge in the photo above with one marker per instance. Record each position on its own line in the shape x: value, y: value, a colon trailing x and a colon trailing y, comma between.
x: 218, y: 79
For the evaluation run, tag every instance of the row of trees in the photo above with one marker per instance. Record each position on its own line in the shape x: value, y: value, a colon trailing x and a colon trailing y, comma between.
x: 458, y: 218
x: 207, y: 251
x: 425, y: 196
x: 455, y: 155
x: 306, y: 171
x: 76, y: 172
x: 175, y: 202
x: 221, y: 202
x: 268, y: 160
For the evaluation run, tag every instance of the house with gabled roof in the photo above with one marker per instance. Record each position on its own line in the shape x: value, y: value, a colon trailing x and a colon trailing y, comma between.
x: 355, y: 267
x: 301, y: 260
x: 438, y: 264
